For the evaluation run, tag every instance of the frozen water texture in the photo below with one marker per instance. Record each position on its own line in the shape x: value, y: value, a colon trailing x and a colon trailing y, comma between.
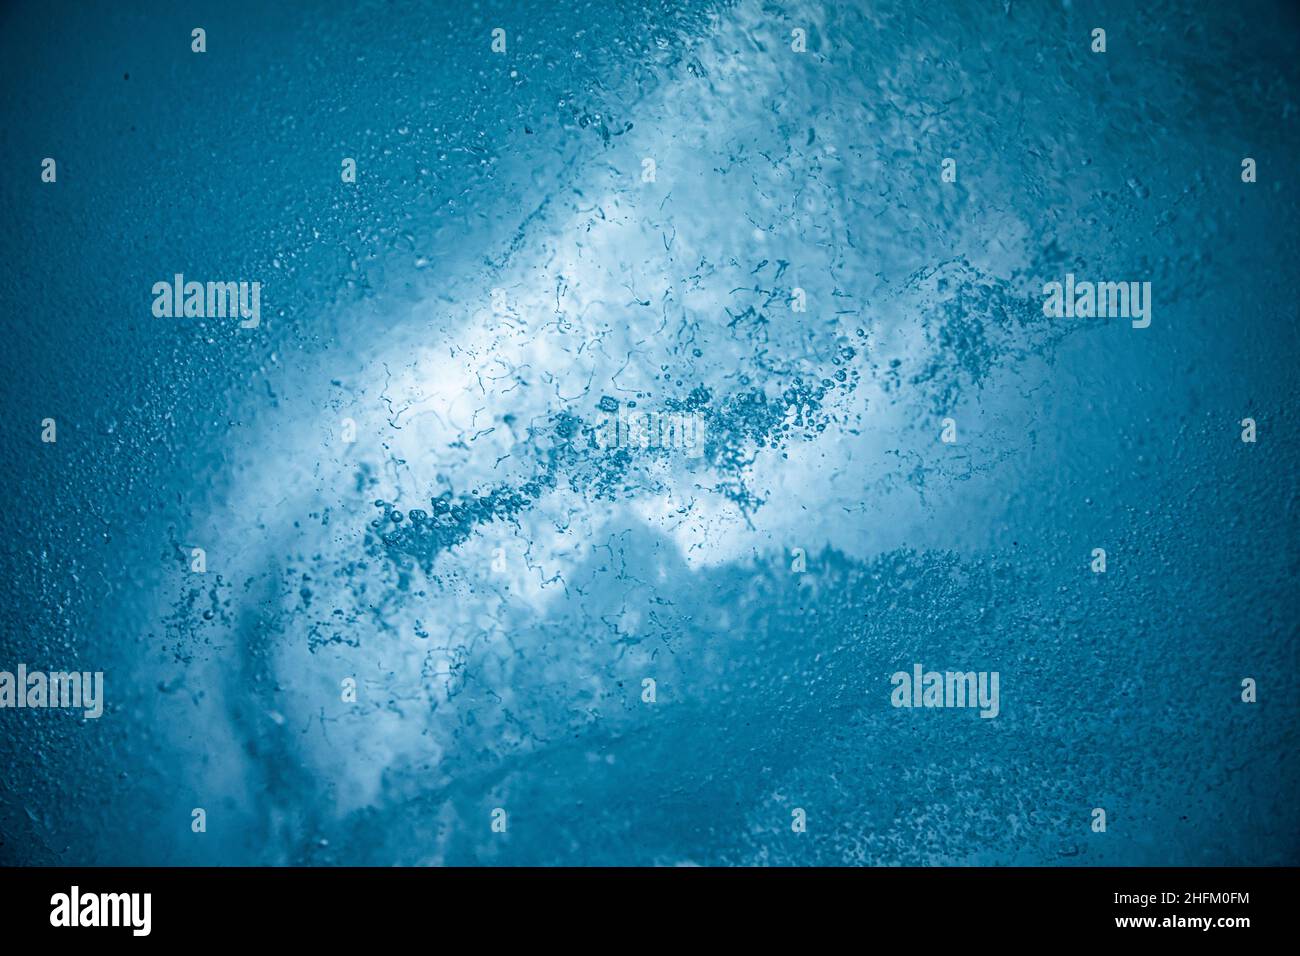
x: 499, y: 586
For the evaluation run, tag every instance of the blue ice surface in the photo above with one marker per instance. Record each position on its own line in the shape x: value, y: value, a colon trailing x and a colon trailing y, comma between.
x: 497, y: 585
